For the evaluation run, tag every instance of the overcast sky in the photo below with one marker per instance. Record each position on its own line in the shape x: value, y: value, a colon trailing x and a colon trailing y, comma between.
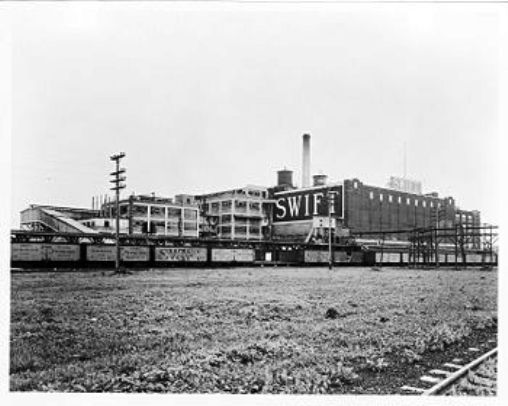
x: 208, y: 97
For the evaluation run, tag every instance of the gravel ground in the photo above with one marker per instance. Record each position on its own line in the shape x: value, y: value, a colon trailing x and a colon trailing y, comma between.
x: 480, y: 382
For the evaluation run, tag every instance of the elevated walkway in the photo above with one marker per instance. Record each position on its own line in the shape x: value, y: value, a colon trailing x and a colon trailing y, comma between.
x: 61, y: 222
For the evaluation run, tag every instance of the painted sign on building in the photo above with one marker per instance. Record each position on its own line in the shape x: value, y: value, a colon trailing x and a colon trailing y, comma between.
x: 304, y: 204
x: 60, y: 252
x: 44, y: 252
x: 107, y: 253
x: 405, y: 185
x: 322, y: 222
x: 134, y: 253
x: 173, y: 254
x: 101, y: 253
x: 230, y: 255
x: 314, y: 256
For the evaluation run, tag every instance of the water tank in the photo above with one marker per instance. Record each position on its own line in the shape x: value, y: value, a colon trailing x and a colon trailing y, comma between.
x: 319, y: 180
x: 285, y: 177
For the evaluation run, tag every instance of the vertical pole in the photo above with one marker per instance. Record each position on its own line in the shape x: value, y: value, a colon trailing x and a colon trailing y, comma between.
x: 330, y: 202
x: 117, y: 181
x: 436, y: 246
x: 117, y: 215
x: 456, y: 244
x: 436, y: 242
x: 382, y: 249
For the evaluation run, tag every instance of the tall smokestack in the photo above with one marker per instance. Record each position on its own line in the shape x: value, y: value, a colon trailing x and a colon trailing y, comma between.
x: 306, y: 161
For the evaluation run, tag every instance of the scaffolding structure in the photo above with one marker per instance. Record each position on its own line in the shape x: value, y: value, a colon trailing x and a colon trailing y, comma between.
x: 430, y: 246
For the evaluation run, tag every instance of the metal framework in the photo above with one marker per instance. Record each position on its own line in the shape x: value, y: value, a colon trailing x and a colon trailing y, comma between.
x: 425, y: 244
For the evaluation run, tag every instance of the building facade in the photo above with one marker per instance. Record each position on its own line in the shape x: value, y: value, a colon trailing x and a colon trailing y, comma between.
x: 158, y: 215
x: 282, y: 212
x: 359, y: 208
x: 370, y: 208
x: 241, y: 213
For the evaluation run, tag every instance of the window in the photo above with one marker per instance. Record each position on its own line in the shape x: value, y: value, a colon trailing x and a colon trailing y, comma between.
x: 139, y: 210
x: 174, y: 212
x: 380, y: 197
x: 225, y: 230
x: 371, y: 195
x: 254, y: 230
x: 156, y: 211
x: 172, y: 227
x: 355, y: 184
x: 190, y: 214
x: 416, y: 202
x: 157, y: 227
x: 106, y: 223
x: 400, y: 199
x: 431, y: 204
x: 189, y: 225
x: 226, y: 218
x: 124, y: 209
x: 424, y: 203
x: 408, y: 200
x: 254, y: 206
x: 240, y: 230
x: 438, y: 205
x: 390, y: 198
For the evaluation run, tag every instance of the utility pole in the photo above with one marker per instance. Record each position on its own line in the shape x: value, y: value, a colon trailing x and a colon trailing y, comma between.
x: 117, y: 180
x: 331, y: 207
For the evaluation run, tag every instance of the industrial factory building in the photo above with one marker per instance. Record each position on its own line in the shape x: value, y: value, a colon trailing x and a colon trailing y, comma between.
x: 139, y: 214
x: 282, y: 212
x: 236, y: 214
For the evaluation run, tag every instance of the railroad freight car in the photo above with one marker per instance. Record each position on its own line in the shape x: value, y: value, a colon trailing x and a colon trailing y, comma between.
x: 71, y: 255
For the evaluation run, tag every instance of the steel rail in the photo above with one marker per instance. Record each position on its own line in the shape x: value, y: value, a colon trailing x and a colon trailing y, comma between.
x: 447, y: 382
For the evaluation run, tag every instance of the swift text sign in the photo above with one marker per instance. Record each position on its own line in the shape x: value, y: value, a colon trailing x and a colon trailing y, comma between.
x: 305, y: 204
x: 170, y: 254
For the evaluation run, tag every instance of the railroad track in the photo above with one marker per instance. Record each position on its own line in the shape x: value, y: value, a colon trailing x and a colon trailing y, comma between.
x: 477, y: 378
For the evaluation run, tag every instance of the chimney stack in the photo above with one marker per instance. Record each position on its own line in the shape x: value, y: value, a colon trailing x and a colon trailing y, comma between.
x: 306, y: 161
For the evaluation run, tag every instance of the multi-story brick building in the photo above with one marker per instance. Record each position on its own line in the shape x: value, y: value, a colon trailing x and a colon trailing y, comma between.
x: 363, y: 208
x: 371, y: 208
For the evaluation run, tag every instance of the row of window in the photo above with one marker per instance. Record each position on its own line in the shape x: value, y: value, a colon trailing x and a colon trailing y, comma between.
x: 93, y: 224
x: 239, y: 204
x: 157, y: 211
x: 161, y: 227
x: 464, y: 218
x: 239, y: 230
x: 407, y: 200
x: 255, y: 193
x: 228, y: 218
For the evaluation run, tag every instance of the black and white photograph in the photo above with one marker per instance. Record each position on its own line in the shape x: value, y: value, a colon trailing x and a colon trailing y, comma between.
x: 287, y: 201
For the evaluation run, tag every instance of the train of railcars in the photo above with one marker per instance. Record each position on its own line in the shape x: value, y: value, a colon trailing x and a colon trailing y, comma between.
x: 54, y: 250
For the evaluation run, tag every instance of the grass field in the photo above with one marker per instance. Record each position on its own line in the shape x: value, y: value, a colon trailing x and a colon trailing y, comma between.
x: 243, y: 330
